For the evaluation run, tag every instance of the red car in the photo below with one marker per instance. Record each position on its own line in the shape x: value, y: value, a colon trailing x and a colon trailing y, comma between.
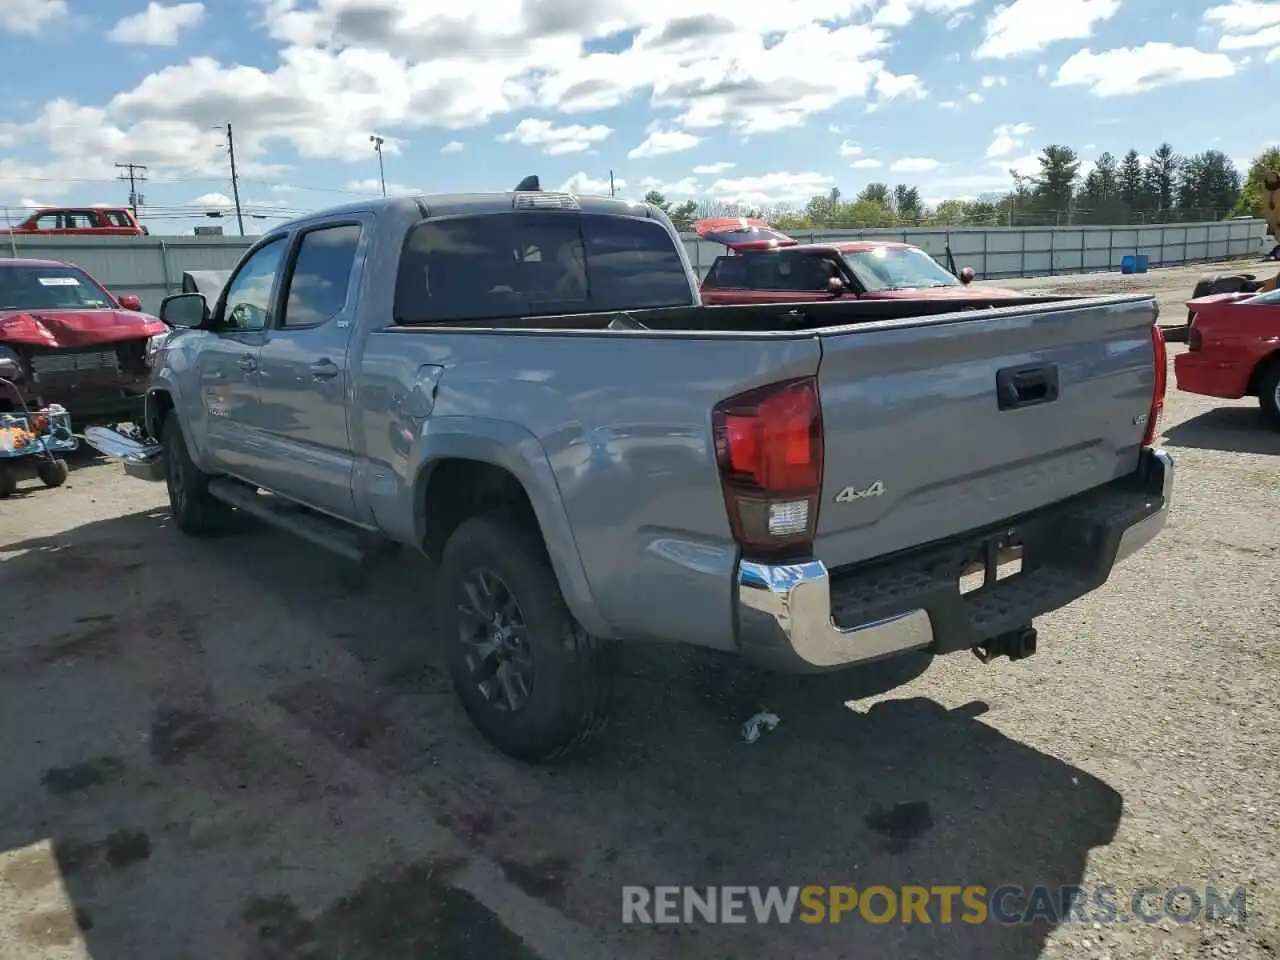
x: 1233, y: 349
x: 765, y: 266
x: 65, y: 339
x: 81, y: 222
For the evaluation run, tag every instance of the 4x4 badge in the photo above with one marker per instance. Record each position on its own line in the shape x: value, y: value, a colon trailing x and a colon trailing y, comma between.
x: 849, y: 494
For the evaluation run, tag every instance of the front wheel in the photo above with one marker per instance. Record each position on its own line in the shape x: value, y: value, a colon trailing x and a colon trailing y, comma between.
x: 196, y: 512
x: 531, y: 679
x: 53, y: 473
x: 1269, y: 392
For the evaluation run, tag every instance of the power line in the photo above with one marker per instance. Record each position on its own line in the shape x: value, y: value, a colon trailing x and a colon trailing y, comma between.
x: 135, y: 172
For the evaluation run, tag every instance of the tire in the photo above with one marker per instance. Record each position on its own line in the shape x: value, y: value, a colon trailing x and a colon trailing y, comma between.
x: 1269, y: 392
x: 559, y: 675
x: 8, y: 482
x: 53, y: 473
x: 196, y: 512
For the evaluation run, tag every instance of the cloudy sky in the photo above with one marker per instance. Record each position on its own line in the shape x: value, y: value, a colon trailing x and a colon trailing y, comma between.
x: 766, y: 102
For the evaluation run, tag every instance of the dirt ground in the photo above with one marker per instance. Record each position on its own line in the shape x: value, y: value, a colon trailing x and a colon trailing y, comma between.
x: 234, y: 749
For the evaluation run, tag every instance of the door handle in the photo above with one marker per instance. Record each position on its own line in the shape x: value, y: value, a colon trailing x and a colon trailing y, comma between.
x: 1018, y: 387
x: 248, y: 363
x: 324, y: 370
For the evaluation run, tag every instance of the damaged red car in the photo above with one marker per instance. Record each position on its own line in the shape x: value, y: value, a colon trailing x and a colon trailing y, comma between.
x: 64, y: 339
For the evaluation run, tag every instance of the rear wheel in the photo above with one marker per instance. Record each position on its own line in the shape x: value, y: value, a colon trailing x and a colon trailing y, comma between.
x: 531, y: 679
x: 1269, y: 392
x: 196, y: 512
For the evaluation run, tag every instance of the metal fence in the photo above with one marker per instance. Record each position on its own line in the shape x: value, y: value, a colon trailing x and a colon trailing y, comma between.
x: 152, y: 267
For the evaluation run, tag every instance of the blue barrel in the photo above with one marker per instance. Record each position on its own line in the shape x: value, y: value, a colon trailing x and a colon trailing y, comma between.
x: 1143, y: 261
x: 1128, y: 263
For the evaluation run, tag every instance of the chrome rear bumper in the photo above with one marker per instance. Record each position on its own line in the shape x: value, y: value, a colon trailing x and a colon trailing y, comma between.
x: 785, y: 611
x: 145, y: 461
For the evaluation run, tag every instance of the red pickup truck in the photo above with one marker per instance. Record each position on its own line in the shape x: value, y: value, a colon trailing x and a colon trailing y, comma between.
x: 1233, y: 349
x: 765, y: 266
x: 81, y: 221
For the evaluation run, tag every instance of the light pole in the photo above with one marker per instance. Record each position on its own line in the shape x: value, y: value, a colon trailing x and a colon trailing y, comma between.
x: 377, y: 142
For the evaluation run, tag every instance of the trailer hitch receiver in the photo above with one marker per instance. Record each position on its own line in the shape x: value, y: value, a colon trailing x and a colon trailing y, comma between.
x: 1015, y: 644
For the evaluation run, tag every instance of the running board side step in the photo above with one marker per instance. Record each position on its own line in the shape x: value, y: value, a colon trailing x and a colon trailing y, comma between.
x: 333, y: 535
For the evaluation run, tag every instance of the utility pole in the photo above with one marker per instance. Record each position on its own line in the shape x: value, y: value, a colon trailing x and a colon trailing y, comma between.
x: 377, y: 142
x: 134, y: 173
x: 235, y: 179
x: 612, y: 192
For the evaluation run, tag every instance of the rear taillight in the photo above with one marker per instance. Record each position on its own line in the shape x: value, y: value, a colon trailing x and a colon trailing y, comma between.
x: 769, y: 450
x: 1158, y: 387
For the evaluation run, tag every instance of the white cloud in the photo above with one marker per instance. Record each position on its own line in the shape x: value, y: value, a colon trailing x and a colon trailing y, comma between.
x: 898, y: 13
x: 684, y: 187
x: 661, y: 142
x: 866, y: 163
x: 1042, y: 70
x: 453, y: 146
x: 714, y: 168
x: 948, y: 104
x: 1009, y: 136
x: 218, y: 200
x: 586, y: 185
x: 1247, y: 25
x: 973, y: 96
x: 28, y: 16
x: 157, y: 25
x: 556, y: 141
x: 772, y: 188
x: 914, y: 165
x: 906, y: 85
x: 372, y: 185
x: 989, y: 82
x: 849, y: 149
x: 1131, y: 70
x: 1025, y: 26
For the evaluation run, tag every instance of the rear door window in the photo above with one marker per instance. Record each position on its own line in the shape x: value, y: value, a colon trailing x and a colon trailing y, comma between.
x: 796, y: 273
x: 536, y: 264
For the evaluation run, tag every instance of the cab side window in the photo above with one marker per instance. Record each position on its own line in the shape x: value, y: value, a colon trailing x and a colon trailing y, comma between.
x: 321, y: 277
x: 248, y: 303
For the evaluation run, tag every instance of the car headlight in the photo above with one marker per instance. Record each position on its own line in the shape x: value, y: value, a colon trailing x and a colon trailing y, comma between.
x: 10, y: 365
x: 154, y: 344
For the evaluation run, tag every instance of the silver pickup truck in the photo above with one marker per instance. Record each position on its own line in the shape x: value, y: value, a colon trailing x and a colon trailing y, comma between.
x: 526, y: 387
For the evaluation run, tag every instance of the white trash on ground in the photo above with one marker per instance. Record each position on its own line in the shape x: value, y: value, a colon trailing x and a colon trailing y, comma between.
x: 765, y: 719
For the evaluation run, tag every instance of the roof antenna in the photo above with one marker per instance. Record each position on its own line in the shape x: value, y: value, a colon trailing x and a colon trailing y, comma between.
x: 529, y: 184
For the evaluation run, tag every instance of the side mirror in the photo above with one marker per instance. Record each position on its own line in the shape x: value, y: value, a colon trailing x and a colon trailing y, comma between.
x: 185, y: 310
x: 10, y: 368
x: 835, y: 287
x: 130, y: 301
x: 966, y: 275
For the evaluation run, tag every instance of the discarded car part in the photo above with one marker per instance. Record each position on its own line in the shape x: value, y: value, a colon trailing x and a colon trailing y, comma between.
x: 143, y: 461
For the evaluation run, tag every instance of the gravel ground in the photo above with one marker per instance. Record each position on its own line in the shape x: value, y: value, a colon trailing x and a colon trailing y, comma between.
x: 233, y: 749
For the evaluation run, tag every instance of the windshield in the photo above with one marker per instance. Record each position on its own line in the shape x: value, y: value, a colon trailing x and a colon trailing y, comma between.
x: 49, y: 288
x: 897, y: 268
x: 1271, y: 296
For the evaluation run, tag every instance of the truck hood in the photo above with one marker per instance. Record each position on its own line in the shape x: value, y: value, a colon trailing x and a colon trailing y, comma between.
x: 1213, y: 298
x: 70, y: 329
x: 958, y: 292
x: 742, y: 233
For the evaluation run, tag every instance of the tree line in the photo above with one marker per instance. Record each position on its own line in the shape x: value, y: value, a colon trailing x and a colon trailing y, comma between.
x: 1165, y: 188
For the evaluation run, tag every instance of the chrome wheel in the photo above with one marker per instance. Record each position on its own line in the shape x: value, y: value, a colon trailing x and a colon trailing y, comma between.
x: 491, y: 627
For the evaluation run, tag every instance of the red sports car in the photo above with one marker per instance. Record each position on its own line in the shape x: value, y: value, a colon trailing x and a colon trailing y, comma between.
x: 1233, y: 349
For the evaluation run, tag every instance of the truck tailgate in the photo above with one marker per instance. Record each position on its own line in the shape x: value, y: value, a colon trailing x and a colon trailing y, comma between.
x: 937, y: 427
